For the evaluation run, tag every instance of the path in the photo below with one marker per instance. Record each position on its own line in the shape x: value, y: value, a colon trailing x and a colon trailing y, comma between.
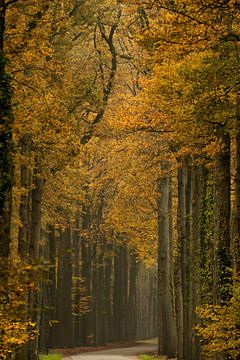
x: 114, y: 354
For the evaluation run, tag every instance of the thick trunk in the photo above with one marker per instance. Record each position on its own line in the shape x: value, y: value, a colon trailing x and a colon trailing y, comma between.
x: 64, y: 291
x: 166, y: 323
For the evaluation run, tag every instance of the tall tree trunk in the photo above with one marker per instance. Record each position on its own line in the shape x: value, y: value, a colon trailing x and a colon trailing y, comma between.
x: 132, y: 315
x: 36, y: 210
x: 206, y: 228
x: 6, y: 145
x: 45, y: 310
x: 222, y: 257
x: 178, y: 266
x: 195, y: 299
x: 64, y: 291
x: 120, y: 293
x: 25, y: 198
x: 100, y: 296
x: 108, y: 293
x: 186, y: 265
x: 236, y: 210
x: 52, y: 285
x: 77, y: 281
x: 166, y: 321
x: 35, y: 235
x: 85, y: 272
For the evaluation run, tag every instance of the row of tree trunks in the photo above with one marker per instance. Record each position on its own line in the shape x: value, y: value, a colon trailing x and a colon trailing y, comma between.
x: 146, y: 303
x: 202, y: 259
x: 95, y: 288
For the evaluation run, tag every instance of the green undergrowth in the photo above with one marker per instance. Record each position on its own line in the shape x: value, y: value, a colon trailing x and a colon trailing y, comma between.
x: 51, y: 357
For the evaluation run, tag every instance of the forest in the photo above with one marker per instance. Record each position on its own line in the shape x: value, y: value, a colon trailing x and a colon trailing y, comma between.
x: 120, y: 176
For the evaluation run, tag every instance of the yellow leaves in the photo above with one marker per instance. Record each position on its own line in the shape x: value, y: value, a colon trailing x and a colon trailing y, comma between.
x: 219, y: 328
x: 16, y: 327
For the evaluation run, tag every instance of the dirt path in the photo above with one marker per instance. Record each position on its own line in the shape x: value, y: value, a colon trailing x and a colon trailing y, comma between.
x: 114, y: 354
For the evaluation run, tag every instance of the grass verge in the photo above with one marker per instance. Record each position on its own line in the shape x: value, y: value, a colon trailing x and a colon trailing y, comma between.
x: 51, y: 357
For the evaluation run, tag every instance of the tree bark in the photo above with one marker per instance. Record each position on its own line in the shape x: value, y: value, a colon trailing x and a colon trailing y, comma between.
x: 77, y: 281
x: 166, y: 321
x: 52, y: 285
x: 64, y: 291
x: 221, y: 235
x: 178, y: 267
x: 132, y: 315
x: 236, y: 211
x: 85, y: 272
x: 6, y: 145
x: 108, y: 293
x: 25, y: 198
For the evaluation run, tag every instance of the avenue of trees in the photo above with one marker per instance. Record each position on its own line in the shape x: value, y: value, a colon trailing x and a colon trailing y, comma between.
x: 120, y: 176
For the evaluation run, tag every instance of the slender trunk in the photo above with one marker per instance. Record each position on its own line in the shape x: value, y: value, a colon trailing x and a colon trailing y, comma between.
x: 24, y: 210
x: 132, y: 315
x: 195, y: 253
x: 77, y: 285
x: 37, y: 193
x: 178, y: 267
x: 100, y: 296
x: 52, y: 285
x: 206, y: 228
x: 117, y: 294
x: 108, y: 293
x: 236, y: 214
x: 186, y: 266
x: 35, y: 235
x: 45, y: 317
x: 85, y: 272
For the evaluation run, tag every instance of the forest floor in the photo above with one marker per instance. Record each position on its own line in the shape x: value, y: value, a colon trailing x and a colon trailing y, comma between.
x: 122, y: 352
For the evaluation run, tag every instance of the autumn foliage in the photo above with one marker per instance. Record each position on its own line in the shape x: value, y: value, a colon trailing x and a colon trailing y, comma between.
x: 120, y: 154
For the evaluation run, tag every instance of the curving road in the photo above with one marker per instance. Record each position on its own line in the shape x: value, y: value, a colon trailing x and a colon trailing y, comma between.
x: 114, y: 354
